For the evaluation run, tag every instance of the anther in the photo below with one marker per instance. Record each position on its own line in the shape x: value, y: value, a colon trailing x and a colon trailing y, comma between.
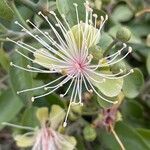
x: 75, y: 4
x: 52, y: 12
x: 28, y: 66
x: 115, y: 102
x: 39, y: 13
x: 124, y: 45
x: 95, y: 15
x: 7, y: 38
x: 91, y: 91
x: 121, y: 70
x: 32, y: 99
x: 16, y: 22
x: 11, y: 64
x: 102, y: 18
x: 130, y: 49
x: 45, y: 88
x: 27, y: 20
x: 61, y: 95
x: 64, y: 124
x: 18, y: 92
x: 63, y: 16
x: 106, y: 17
x: 132, y: 71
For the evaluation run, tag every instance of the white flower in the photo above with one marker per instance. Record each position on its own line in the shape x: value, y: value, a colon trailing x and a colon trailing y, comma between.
x: 46, y: 137
x: 69, y: 55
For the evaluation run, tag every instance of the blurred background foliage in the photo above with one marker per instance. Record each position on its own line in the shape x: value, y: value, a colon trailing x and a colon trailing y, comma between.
x: 132, y: 122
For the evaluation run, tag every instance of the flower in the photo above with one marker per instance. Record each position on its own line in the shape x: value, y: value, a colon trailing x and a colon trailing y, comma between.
x: 69, y: 54
x: 46, y: 137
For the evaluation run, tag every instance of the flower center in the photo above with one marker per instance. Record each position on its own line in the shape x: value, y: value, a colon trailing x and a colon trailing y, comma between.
x: 77, y: 67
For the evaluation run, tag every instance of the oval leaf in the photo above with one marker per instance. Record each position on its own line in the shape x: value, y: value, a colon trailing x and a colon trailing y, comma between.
x: 133, y: 83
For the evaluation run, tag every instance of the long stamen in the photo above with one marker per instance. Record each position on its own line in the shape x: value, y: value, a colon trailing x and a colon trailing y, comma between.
x: 17, y: 126
x: 71, y: 99
x: 52, y: 50
x: 40, y: 87
x: 62, y: 95
x: 63, y: 44
x: 57, y: 86
x: 30, y: 70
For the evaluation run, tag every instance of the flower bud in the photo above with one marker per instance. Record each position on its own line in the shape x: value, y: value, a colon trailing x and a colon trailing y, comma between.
x: 123, y: 34
x: 42, y: 114
x: 89, y: 133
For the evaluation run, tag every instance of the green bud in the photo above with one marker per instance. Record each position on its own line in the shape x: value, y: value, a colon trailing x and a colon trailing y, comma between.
x: 89, y: 133
x: 123, y: 34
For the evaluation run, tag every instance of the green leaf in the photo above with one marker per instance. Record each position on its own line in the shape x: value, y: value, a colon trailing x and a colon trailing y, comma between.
x: 148, y: 63
x: 29, y: 117
x: 21, y: 79
x: 5, y: 10
x: 67, y: 8
x: 122, y: 13
x: 132, y: 112
x: 128, y: 136
x: 10, y: 106
x: 4, y: 59
x: 133, y: 83
x: 105, y: 41
x: 145, y: 133
x: 110, y: 88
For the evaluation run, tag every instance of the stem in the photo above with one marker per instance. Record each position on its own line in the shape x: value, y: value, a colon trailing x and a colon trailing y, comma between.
x: 17, y: 126
x: 142, y: 12
x: 117, y: 138
x: 110, y: 46
x: 18, y: 15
